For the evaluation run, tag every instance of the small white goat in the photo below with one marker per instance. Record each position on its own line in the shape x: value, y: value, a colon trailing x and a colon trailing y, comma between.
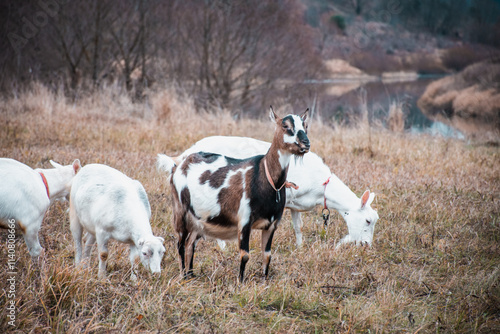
x: 317, y: 186
x: 26, y: 194
x: 109, y: 205
x: 225, y: 198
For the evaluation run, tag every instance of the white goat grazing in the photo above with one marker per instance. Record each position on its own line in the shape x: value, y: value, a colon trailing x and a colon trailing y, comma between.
x: 109, y: 205
x: 316, y: 183
x: 26, y: 194
x: 225, y: 198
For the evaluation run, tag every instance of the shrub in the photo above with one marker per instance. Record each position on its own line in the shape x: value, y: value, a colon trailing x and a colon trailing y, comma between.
x: 339, y: 20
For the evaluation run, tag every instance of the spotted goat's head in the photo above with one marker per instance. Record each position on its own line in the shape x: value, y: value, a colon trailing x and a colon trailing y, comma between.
x: 293, y: 134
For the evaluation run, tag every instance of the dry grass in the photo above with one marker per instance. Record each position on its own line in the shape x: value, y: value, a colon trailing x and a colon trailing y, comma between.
x: 396, y: 117
x: 434, y: 266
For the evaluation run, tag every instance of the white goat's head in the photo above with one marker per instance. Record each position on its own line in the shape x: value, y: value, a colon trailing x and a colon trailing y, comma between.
x: 361, y: 221
x: 151, y: 252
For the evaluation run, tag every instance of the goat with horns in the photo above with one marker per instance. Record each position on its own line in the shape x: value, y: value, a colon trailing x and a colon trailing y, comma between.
x: 225, y: 198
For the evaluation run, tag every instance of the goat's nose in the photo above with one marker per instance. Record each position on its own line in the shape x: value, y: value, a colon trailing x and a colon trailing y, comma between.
x: 302, y: 137
x: 306, y: 143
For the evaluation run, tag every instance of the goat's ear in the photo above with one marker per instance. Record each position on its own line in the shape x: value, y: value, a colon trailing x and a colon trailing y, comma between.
x: 55, y: 164
x: 141, y: 242
x: 76, y: 165
x: 305, y: 114
x: 161, y: 239
x: 364, y: 198
x: 372, y: 197
x: 272, y: 115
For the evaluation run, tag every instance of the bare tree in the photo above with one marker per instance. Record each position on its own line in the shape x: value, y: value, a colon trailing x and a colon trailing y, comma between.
x: 237, y: 50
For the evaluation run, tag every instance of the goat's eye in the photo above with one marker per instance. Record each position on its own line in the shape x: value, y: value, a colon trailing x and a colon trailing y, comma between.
x: 368, y: 222
x: 145, y: 253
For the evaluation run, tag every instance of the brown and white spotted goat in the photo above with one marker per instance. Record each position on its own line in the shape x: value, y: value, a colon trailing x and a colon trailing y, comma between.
x: 224, y: 198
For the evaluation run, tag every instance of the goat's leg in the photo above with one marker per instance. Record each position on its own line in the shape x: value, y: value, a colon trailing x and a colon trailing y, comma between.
x: 88, y: 247
x: 102, y: 246
x: 179, y: 223
x: 30, y: 234
x: 133, y: 256
x: 267, y: 239
x: 297, y: 226
x: 76, y: 231
x: 244, y: 241
x: 181, y: 243
x: 189, y: 256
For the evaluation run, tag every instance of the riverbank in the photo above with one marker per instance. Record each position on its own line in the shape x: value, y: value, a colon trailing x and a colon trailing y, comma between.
x: 468, y: 100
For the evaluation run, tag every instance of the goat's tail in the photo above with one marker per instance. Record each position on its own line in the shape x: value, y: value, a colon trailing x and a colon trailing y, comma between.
x: 166, y: 164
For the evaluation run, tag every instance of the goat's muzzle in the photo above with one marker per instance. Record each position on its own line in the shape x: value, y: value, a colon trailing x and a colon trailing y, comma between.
x: 303, y: 142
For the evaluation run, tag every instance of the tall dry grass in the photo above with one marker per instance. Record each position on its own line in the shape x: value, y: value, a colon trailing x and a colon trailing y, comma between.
x: 434, y: 265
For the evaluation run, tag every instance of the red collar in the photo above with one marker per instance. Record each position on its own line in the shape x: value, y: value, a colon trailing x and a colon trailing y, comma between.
x: 44, y: 179
x: 269, y: 179
x: 285, y: 184
x: 324, y: 192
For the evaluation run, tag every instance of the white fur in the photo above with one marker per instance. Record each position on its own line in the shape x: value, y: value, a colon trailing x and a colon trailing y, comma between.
x: 23, y: 196
x: 309, y: 173
x: 298, y: 126
x: 109, y: 205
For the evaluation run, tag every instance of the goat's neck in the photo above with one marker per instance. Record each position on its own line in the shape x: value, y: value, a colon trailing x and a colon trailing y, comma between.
x: 58, y: 187
x: 339, y: 196
x: 277, y: 162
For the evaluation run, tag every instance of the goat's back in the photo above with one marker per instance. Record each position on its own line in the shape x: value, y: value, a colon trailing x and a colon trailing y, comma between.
x: 103, y: 195
x: 22, y: 195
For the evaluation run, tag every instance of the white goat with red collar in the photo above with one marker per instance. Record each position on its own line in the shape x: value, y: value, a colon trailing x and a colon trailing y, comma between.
x: 109, y: 205
x: 225, y: 198
x: 26, y: 194
x: 317, y: 185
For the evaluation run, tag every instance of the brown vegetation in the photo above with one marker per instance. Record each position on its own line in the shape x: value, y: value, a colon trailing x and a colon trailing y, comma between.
x: 470, y: 100
x: 396, y: 117
x: 433, y: 267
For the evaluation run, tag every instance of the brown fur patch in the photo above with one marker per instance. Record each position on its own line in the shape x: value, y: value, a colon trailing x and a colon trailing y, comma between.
x: 177, y: 221
x: 221, y: 232
x: 205, y: 176
x: 196, y: 158
x: 4, y: 223
x: 261, y: 224
x: 266, y: 258
x: 104, y: 256
x: 21, y: 226
x: 229, y: 199
x: 218, y: 177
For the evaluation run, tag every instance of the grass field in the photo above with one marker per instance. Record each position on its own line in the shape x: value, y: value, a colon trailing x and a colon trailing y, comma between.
x: 434, y: 265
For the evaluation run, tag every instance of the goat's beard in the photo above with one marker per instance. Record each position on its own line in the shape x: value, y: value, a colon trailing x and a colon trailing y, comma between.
x: 299, y: 158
